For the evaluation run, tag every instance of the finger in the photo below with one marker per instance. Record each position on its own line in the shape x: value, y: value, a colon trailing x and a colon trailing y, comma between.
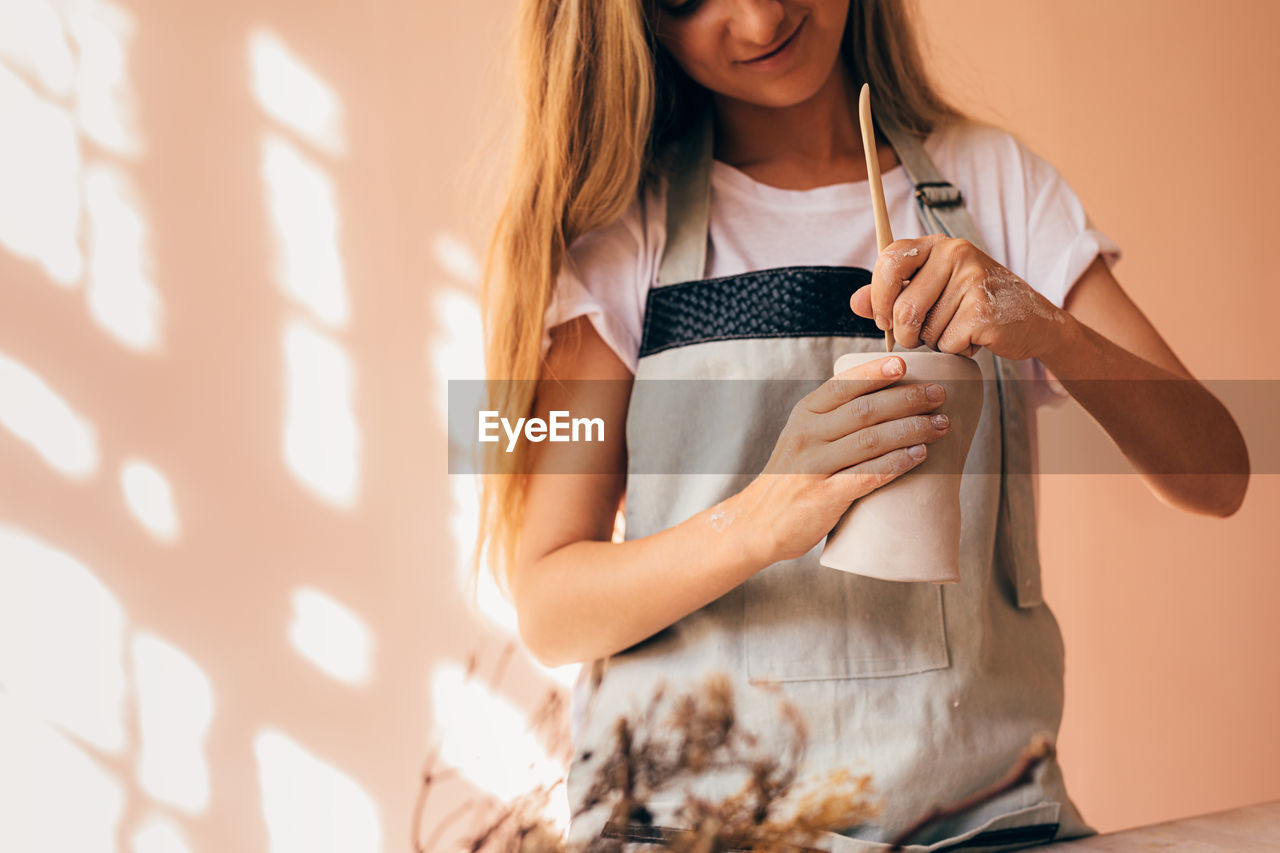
x: 860, y: 301
x: 857, y: 480
x: 887, y: 404
x: 917, y: 299
x: 857, y: 380
x: 957, y: 337
x: 896, y: 264
x: 879, y: 439
x: 940, y: 315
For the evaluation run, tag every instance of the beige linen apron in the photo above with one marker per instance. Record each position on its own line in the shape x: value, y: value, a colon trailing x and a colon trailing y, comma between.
x: 932, y: 689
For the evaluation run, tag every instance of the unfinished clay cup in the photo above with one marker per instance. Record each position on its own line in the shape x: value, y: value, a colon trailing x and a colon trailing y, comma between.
x: 909, y: 528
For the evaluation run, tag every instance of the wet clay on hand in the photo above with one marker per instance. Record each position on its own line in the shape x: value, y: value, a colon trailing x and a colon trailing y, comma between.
x: 909, y: 528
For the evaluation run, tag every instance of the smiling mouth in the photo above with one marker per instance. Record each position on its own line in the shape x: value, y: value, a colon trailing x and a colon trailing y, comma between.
x: 778, y: 48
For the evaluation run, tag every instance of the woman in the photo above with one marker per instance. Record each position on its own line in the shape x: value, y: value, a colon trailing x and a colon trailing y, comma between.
x: 607, y: 266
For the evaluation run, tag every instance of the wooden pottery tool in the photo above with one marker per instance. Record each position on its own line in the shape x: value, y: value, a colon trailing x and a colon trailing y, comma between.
x: 884, y: 235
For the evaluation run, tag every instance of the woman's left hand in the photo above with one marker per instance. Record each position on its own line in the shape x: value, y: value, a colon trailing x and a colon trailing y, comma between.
x: 950, y: 296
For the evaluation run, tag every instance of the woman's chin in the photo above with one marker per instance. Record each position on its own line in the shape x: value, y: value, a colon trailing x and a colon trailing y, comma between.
x: 780, y: 94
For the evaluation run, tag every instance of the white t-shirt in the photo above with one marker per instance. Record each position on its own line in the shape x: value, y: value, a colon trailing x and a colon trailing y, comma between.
x: 1029, y: 218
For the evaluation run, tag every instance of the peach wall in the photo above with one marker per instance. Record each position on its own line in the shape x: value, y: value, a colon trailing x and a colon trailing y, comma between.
x: 230, y: 611
x: 1160, y: 116
x: 238, y: 297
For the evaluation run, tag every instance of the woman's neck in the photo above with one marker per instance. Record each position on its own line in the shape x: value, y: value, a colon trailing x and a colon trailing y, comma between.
x: 810, y: 144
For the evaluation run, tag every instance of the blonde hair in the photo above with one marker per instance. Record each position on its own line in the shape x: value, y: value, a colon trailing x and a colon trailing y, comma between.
x: 602, y: 99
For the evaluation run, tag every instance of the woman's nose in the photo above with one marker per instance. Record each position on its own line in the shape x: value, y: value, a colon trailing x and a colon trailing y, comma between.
x: 758, y: 23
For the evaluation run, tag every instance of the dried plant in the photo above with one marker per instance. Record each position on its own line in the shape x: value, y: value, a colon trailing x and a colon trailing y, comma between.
x: 769, y: 814
x: 702, y: 733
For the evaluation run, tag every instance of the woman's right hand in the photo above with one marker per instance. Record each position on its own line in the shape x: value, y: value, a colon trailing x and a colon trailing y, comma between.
x: 846, y: 438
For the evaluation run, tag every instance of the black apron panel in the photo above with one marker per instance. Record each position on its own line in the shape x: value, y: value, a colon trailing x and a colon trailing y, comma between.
x: 784, y: 302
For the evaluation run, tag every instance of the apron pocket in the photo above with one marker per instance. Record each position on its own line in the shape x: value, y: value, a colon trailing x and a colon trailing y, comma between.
x: 804, y: 621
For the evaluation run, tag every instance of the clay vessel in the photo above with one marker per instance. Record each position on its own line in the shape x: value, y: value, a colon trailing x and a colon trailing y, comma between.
x: 909, y: 528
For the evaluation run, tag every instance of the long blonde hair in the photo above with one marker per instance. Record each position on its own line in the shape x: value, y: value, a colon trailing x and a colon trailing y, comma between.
x: 602, y: 99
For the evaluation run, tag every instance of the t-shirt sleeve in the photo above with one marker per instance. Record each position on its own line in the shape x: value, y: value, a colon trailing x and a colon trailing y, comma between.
x: 1061, y: 238
x: 602, y: 277
x: 1061, y: 243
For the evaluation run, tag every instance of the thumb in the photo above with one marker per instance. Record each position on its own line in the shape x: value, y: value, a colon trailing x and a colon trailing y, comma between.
x: 860, y: 301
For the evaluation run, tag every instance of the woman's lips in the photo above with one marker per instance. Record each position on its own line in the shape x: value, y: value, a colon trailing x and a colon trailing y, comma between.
x: 778, y: 54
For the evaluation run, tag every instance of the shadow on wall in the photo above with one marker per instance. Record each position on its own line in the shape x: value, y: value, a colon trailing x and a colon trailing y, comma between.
x: 220, y: 569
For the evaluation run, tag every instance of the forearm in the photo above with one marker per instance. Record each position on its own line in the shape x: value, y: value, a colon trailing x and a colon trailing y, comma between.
x: 590, y: 599
x: 1166, y: 425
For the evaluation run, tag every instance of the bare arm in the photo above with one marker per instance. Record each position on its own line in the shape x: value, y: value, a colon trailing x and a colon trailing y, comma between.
x: 580, y: 596
x: 948, y: 294
x: 1158, y: 425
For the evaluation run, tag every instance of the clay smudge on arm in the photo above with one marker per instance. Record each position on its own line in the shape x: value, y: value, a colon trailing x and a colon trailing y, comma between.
x: 721, y: 520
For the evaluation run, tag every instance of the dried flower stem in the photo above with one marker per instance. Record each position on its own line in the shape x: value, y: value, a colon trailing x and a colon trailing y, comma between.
x: 700, y: 733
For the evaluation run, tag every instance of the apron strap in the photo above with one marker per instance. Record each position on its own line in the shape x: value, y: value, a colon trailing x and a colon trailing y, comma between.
x: 688, y: 205
x: 941, y: 209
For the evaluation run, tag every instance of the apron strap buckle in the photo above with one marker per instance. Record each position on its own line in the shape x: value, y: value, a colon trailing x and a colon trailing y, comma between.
x: 938, y: 193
